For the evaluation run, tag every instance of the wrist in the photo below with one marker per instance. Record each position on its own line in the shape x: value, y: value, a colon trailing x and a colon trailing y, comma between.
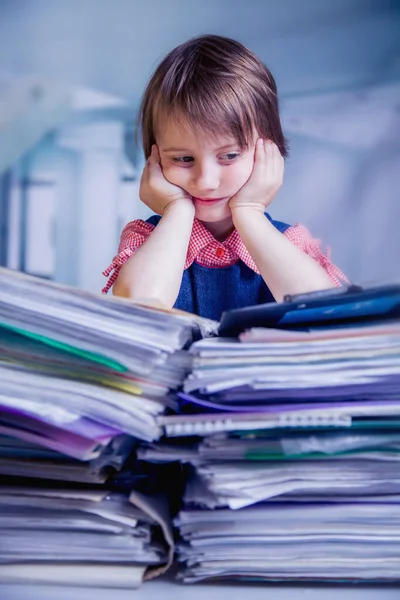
x: 184, y: 208
x: 249, y: 213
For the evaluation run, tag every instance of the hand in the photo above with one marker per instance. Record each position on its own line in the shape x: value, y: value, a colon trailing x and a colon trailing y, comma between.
x: 265, y: 180
x: 155, y: 191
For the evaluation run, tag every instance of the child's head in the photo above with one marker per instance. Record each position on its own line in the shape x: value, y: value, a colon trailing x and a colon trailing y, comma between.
x: 214, y: 84
x: 210, y: 99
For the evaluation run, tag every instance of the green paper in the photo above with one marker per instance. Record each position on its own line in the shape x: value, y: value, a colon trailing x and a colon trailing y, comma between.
x: 92, y: 356
x: 265, y: 456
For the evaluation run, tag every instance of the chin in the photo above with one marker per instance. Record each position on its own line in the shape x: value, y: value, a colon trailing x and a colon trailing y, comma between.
x: 213, y: 214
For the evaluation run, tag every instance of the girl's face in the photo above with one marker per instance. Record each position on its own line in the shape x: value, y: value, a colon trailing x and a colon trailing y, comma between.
x: 210, y: 169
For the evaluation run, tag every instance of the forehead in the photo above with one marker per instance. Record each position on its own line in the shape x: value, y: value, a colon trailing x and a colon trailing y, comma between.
x: 172, y: 133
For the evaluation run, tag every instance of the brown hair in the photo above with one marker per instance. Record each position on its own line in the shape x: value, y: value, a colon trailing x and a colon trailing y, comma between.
x: 213, y: 84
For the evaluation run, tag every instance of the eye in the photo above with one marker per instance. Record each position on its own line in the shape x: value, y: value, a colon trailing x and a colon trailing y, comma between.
x: 230, y: 155
x: 182, y: 159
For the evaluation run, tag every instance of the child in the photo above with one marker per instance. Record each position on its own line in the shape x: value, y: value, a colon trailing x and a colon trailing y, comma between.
x: 215, y: 152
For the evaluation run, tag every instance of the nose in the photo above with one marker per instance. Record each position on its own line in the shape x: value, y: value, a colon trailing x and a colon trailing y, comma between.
x: 205, y: 179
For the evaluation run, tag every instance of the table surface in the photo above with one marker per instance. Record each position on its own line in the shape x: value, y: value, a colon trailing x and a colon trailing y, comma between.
x: 165, y: 589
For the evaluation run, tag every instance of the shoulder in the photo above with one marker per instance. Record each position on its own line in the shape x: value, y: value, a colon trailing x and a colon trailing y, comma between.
x: 136, y: 232
x: 138, y: 226
x: 301, y: 237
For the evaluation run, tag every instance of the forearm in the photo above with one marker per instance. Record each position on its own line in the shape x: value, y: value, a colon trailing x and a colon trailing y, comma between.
x: 155, y: 270
x: 285, y: 268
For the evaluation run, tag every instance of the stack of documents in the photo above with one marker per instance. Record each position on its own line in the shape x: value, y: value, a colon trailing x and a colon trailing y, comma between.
x: 295, y: 470
x: 82, y: 537
x: 289, y: 425
x: 117, y: 336
x: 273, y: 378
x: 78, y: 371
x: 82, y: 381
x: 302, y: 540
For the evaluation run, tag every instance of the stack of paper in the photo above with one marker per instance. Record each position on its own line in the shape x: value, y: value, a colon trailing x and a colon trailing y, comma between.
x: 78, y: 371
x: 274, y: 378
x: 82, y: 380
x: 295, y: 473
x: 81, y: 537
x: 291, y: 438
x: 298, y: 505
x: 302, y: 540
x: 116, y: 335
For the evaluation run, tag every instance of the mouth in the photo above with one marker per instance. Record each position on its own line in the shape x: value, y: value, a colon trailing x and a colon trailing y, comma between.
x: 208, y: 201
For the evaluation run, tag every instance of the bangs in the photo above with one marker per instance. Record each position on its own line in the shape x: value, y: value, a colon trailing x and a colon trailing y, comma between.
x: 214, y: 110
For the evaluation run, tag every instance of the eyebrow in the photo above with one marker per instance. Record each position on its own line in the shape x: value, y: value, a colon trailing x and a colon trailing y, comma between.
x: 173, y: 149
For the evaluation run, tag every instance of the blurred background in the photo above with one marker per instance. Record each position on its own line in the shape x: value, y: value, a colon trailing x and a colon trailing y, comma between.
x: 72, y: 73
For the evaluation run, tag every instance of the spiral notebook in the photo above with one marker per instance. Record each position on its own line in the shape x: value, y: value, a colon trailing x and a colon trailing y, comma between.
x: 201, y: 425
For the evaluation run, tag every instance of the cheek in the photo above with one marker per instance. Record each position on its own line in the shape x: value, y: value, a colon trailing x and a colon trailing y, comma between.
x: 174, y: 174
x: 239, y: 174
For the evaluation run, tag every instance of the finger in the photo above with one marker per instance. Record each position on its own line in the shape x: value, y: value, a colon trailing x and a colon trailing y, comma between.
x: 267, y: 162
x: 273, y: 153
x: 259, y: 159
x: 275, y: 158
x: 259, y: 151
x: 154, y: 162
x: 278, y: 163
x: 145, y: 173
x: 155, y: 155
x: 281, y: 162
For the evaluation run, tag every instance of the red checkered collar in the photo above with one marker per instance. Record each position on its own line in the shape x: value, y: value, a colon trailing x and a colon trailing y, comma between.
x: 203, y: 245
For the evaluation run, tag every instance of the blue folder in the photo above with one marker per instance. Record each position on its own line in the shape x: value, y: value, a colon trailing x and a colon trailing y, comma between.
x: 347, y: 305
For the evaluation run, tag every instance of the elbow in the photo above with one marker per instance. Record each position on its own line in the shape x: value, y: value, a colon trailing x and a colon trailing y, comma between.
x: 148, y: 296
x: 121, y: 289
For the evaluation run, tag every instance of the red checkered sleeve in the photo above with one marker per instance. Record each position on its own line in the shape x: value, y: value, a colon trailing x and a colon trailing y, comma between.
x: 132, y: 237
x: 301, y: 237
